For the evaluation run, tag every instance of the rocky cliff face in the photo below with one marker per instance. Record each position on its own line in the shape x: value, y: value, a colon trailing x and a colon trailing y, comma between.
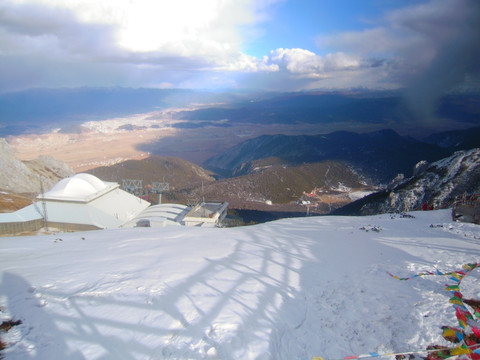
x: 18, y: 176
x: 438, y: 184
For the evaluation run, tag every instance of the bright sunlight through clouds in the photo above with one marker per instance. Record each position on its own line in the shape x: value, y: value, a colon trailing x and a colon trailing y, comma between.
x: 265, y: 45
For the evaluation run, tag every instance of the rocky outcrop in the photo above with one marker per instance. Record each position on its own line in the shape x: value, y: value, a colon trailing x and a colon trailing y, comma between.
x: 437, y: 184
x: 18, y: 176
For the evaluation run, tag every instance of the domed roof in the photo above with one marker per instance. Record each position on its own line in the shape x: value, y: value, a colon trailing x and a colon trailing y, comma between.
x: 78, y: 187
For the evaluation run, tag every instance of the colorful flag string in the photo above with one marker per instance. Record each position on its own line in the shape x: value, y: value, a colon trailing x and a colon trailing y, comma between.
x: 456, y: 351
x: 454, y: 275
x: 467, y: 345
x: 463, y: 315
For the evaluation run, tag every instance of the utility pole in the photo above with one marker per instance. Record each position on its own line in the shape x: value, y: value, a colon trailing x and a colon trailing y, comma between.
x: 44, y: 205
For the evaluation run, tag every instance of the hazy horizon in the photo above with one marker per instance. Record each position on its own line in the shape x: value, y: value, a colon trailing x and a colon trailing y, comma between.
x: 64, y: 63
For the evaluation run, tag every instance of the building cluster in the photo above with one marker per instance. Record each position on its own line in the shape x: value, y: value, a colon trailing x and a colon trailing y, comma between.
x: 84, y: 202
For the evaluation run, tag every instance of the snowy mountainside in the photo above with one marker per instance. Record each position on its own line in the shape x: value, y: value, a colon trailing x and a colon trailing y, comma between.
x: 24, y: 176
x: 289, y: 289
x: 438, y: 184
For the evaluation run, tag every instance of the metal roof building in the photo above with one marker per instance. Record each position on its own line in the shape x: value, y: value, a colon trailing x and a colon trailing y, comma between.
x: 205, y: 214
x: 160, y: 216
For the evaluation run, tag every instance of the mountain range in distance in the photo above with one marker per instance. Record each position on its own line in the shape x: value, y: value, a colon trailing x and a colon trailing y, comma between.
x: 376, y: 160
x: 281, y: 176
x: 286, y: 185
x: 378, y: 155
x: 280, y: 189
x: 384, y: 108
x: 279, y: 170
x: 39, y: 110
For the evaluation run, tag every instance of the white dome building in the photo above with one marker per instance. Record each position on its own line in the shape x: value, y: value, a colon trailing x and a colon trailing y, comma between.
x: 80, y: 187
x: 80, y: 202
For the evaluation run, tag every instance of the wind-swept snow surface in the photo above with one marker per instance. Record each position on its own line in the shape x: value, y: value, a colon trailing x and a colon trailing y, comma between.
x: 290, y: 289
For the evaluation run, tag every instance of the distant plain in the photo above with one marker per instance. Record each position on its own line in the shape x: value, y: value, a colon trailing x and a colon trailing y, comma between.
x: 92, y: 127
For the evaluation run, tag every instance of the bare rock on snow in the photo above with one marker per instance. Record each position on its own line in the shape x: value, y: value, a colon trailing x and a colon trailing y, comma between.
x: 438, y: 184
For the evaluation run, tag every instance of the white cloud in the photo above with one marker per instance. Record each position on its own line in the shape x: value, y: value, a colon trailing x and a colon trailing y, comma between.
x: 183, y: 42
x: 306, y: 63
x: 436, y: 36
x: 181, y: 27
x: 138, y: 38
x: 145, y: 42
x: 245, y: 63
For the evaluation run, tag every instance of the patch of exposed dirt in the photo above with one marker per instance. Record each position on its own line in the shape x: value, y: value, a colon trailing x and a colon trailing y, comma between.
x: 5, y: 326
x: 10, y: 202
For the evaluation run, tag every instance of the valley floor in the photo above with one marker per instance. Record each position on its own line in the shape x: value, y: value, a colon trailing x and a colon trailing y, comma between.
x: 288, y: 289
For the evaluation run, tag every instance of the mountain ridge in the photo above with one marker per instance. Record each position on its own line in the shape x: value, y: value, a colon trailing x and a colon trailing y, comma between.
x: 327, y: 107
x: 288, y: 188
x: 179, y: 173
x: 437, y: 184
x: 380, y: 154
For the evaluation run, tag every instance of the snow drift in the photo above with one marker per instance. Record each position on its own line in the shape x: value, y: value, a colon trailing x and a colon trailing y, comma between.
x: 290, y: 289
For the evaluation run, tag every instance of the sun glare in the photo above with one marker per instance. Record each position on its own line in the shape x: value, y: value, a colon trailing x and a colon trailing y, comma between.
x: 150, y: 26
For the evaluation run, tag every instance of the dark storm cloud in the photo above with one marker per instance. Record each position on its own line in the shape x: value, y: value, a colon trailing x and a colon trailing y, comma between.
x: 428, y: 49
x: 452, y: 34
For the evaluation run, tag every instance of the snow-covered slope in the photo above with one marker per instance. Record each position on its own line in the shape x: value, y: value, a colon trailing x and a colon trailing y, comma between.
x: 445, y: 179
x: 290, y: 289
x: 438, y: 184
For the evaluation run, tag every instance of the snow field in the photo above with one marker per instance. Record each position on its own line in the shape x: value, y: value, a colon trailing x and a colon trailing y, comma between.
x: 289, y: 289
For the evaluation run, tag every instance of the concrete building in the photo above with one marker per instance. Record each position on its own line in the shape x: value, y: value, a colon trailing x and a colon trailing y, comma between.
x: 80, y: 202
x: 84, y: 202
x: 206, y: 214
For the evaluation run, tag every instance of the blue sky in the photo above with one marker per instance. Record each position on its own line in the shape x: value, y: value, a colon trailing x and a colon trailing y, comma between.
x: 287, y: 45
x: 296, y: 24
